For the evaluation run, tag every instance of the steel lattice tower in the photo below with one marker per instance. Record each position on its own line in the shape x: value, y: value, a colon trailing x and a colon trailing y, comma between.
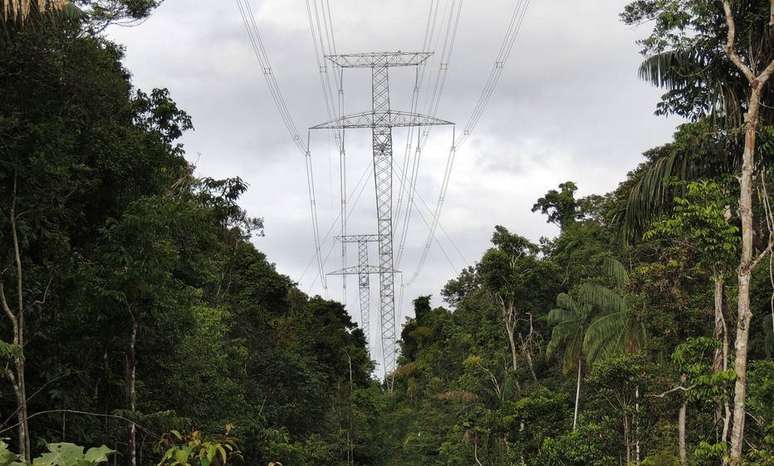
x: 363, y: 272
x: 381, y: 119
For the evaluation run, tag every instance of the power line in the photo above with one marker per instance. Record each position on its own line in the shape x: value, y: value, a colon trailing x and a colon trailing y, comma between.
x: 432, y: 16
x: 454, y: 15
x: 506, y: 47
x: 320, y: 20
x: 359, y: 188
x: 261, y: 54
x: 333, y: 225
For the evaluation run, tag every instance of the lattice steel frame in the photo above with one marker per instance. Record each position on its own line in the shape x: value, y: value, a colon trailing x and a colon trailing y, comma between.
x: 363, y: 271
x: 381, y: 120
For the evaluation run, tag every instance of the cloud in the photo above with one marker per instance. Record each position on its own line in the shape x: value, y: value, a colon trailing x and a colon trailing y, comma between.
x: 569, y: 106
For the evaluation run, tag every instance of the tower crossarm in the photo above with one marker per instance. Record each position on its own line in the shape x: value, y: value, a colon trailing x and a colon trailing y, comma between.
x: 379, y: 59
x: 354, y: 270
x: 358, y: 238
x: 391, y: 118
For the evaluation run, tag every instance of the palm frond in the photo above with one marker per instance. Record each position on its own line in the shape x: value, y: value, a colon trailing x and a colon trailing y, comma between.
x: 559, y: 315
x: 605, y: 335
x: 573, y: 352
x: 668, y: 69
x: 616, y: 270
x: 652, y: 194
x: 565, y: 301
x: 559, y: 335
x: 603, y: 299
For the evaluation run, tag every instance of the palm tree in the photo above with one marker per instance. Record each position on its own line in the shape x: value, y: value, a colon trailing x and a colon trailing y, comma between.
x: 617, y: 328
x: 600, y: 323
x: 571, y: 321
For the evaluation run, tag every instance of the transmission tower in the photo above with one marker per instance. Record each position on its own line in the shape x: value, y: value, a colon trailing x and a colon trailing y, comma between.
x: 363, y: 272
x: 381, y: 119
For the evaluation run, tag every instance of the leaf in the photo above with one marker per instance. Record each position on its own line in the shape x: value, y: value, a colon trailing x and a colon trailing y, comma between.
x: 60, y: 454
x: 616, y: 270
x: 98, y: 454
x: 223, y: 454
x: 7, y: 457
x: 602, y: 298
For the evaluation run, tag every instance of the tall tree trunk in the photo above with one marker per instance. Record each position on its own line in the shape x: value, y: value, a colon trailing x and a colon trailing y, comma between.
x: 637, y: 424
x: 475, y: 451
x: 16, y: 317
x: 16, y: 376
x: 681, y: 433
x: 746, y: 261
x: 131, y: 394
x: 720, y: 359
x: 528, y: 357
x: 526, y: 348
x: 744, y: 313
x: 577, y: 396
x: 626, y: 439
x: 509, y: 319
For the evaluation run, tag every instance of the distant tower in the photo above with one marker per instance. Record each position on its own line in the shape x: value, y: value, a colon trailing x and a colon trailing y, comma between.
x: 381, y: 119
x: 363, y: 270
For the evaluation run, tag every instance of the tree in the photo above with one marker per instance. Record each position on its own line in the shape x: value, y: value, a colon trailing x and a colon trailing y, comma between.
x: 570, y: 320
x: 560, y: 206
x: 617, y: 379
x: 515, y: 276
x: 697, y: 152
x: 757, y: 78
x: 698, y: 382
x: 699, y: 224
x: 702, y: 37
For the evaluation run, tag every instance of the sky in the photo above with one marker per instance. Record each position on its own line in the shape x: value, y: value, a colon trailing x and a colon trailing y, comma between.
x: 569, y: 106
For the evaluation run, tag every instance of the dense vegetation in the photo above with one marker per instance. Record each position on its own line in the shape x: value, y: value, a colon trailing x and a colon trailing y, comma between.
x: 138, y: 313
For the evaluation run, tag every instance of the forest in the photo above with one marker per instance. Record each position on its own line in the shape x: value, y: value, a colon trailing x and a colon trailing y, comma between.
x: 142, y: 325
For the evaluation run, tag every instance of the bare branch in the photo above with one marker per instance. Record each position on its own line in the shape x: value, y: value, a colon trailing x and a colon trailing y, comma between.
x: 730, y: 43
x: 36, y: 392
x: 7, y: 310
x: 762, y: 255
x: 756, y: 82
x: 672, y: 390
x: 42, y: 301
x: 766, y: 74
x: 17, y: 254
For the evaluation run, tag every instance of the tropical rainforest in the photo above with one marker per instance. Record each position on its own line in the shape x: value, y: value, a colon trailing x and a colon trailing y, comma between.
x: 141, y: 324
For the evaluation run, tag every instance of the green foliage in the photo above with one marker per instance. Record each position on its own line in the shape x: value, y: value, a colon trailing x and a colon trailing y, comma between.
x: 710, y: 453
x: 693, y: 358
x: 68, y: 454
x: 699, y: 222
x: 7, y: 457
x: 560, y: 206
x: 570, y: 322
x: 8, y: 351
x: 685, y: 53
x: 59, y: 454
x: 196, y: 449
x: 585, y: 446
x: 662, y: 458
x: 117, y: 231
x: 698, y: 153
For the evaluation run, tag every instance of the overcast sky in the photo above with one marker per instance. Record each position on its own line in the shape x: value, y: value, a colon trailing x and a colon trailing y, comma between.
x: 569, y: 107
